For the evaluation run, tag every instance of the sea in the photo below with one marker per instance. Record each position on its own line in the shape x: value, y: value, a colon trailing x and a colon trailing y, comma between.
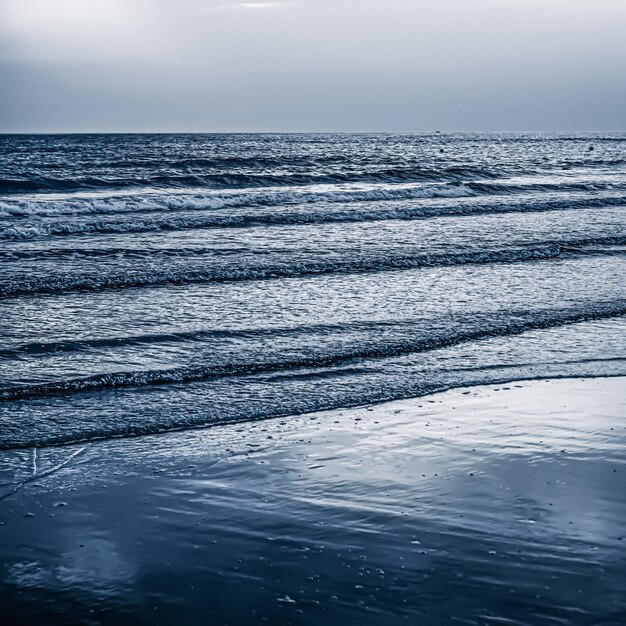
x: 152, y: 283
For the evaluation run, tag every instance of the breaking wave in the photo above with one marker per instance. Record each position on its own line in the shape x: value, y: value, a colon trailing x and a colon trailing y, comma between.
x: 287, y: 214
x: 236, y: 179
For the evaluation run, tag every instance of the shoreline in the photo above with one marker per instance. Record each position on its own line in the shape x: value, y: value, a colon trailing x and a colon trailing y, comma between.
x: 436, y: 390
x: 426, y: 509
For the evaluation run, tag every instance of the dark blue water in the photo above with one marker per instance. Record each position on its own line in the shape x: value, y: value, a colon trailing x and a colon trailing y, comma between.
x: 159, y: 282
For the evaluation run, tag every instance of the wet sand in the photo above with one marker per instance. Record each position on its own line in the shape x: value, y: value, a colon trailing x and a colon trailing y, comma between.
x: 490, y: 505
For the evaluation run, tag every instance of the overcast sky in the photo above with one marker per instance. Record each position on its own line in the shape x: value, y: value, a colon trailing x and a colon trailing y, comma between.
x: 312, y: 65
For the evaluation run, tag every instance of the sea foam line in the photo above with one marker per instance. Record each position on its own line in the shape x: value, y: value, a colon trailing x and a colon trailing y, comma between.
x: 292, y: 215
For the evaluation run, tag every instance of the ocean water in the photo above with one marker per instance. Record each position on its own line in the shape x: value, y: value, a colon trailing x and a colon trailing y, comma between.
x: 159, y: 282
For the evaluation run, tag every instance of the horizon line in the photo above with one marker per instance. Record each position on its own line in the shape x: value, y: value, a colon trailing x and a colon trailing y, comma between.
x: 309, y: 132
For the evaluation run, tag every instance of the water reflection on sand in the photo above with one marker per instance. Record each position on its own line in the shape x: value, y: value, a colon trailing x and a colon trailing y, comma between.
x: 501, y: 504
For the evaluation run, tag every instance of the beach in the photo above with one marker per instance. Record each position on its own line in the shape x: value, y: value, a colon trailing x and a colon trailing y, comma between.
x: 312, y: 378
x: 498, y: 504
x: 312, y: 313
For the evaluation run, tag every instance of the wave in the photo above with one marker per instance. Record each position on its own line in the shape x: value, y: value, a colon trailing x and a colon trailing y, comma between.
x: 77, y: 345
x: 151, y: 202
x: 178, y: 164
x: 490, y: 188
x: 505, y: 327
x: 183, y: 421
x: 578, y: 163
x: 290, y: 215
x: 451, y: 177
x: 228, y: 273
x: 211, y: 162
x: 141, y: 254
x: 233, y: 179
x: 232, y: 273
x: 204, y: 201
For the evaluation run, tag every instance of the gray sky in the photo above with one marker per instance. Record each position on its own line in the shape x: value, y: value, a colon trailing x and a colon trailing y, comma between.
x: 312, y: 65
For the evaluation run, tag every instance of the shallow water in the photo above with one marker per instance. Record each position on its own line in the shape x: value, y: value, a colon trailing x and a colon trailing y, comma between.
x: 158, y: 282
x: 490, y: 505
